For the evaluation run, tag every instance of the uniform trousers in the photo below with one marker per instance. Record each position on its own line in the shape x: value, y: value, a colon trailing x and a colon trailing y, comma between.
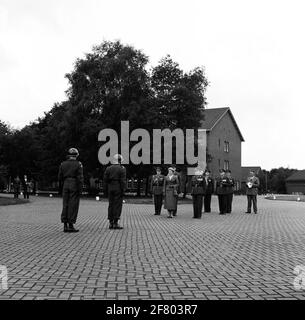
x: 197, y: 205
x: 252, y: 199
x: 115, y: 198
x: 71, y: 197
x: 158, y: 199
x: 207, y: 202
x: 229, y: 202
x: 222, y: 201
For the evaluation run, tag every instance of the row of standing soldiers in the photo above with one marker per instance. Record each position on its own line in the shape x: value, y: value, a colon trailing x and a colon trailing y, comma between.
x: 71, y: 179
x: 202, y: 188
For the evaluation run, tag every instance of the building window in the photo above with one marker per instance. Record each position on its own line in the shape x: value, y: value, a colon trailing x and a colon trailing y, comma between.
x: 226, y: 147
x: 218, y: 143
x: 219, y: 164
x: 226, y: 165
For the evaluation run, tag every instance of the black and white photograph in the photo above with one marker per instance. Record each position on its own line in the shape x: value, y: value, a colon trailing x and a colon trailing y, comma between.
x: 152, y: 151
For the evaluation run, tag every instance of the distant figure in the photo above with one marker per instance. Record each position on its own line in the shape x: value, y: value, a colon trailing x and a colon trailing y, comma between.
x: 209, y: 190
x: 170, y: 190
x: 32, y: 186
x: 252, y: 191
x: 16, y: 186
x: 230, y: 191
x: 156, y: 188
x: 71, y: 179
x: 198, y: 190
x: 115, y: 186
x: 26, y: 188
x: 221, y: 185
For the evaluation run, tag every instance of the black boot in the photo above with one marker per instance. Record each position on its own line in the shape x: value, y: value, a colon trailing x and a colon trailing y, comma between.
x: 116, y: 225
x: 111, y: 224
x: 66, y: 227
x: 71, y: 228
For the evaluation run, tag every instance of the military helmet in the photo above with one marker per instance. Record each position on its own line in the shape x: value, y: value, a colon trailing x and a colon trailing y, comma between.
x: 73, y: 152
x: 118, y: 157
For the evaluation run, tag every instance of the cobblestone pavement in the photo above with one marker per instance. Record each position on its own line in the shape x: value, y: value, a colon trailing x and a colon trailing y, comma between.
x: 237, y: 256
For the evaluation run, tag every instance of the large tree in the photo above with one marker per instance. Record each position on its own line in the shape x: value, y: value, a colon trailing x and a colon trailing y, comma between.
x: 109, y: 85
x: 180, y: 96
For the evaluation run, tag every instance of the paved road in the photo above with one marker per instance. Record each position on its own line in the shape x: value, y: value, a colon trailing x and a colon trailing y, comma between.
x: 236, y: 256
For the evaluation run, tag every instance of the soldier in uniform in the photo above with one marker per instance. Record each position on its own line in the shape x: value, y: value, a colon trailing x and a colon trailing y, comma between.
x: 221, y: 185
x: 230, y: 190
x: 71, y: 181
x: 178, y: 188
x: 156, y: 187
x: 209, y: 190
x: 198, y: 189
x: 26, y: 188
x: 252, y: 191
x: 115, y: 186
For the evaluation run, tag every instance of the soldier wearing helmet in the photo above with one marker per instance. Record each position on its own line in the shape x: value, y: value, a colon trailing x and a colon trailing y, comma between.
x: 114, y: 188
x: 198, y: 190
x: 221, y: 187
x: 71, y: 179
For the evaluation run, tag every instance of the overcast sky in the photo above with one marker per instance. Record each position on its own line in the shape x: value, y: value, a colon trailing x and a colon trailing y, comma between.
x: 253, y: 53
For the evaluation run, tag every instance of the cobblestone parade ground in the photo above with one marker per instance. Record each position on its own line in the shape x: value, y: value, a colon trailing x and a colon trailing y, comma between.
x: 237, y: 256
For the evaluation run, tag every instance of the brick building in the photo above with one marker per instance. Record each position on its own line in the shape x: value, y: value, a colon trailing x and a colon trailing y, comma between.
x: 295, y: 184
x: 223, y: 142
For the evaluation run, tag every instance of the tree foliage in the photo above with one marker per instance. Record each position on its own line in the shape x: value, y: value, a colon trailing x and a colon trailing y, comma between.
x: 277, y: 179
x: 110, y: 84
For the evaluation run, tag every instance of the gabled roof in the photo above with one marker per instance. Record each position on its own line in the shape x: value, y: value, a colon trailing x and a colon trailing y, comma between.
x: 212, y: 116
x: 297, y: 176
